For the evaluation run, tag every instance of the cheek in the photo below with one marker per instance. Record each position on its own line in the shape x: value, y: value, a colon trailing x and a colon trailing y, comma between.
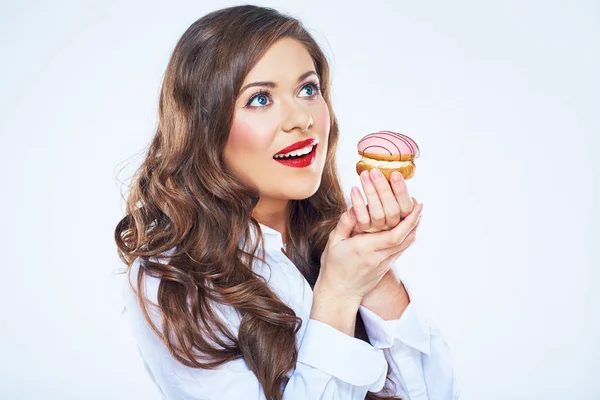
x: 242, y: 135
x: 247, y: 140
x: 323, y: 121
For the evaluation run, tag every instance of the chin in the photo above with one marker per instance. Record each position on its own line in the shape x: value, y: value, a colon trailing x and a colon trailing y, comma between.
x: 301, y: 192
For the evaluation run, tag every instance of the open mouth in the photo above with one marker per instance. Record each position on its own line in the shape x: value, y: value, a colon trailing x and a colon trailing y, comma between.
x: 297, y: 153
x: 298, y: 158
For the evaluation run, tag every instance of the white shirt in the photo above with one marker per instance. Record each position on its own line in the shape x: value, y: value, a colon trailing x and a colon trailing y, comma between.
x: 331, y: 364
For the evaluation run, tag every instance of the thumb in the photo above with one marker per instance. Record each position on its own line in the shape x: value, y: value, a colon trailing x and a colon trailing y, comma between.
x: 344, y: 227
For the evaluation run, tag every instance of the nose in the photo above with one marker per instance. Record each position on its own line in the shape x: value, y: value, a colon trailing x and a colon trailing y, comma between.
x: 297, y: 117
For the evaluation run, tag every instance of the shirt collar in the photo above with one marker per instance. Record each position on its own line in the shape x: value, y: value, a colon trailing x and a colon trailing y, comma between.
x: 272, y: 238
x: 269, y: 231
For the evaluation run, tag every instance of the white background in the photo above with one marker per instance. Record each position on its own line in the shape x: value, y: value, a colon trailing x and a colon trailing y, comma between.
x: 501, y: 96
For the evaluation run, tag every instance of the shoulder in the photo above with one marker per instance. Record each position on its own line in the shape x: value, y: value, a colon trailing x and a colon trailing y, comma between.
x: 173, y: 378
x: 149, y: 286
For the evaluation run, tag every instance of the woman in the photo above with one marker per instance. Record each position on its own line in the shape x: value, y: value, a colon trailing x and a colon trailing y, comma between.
x: 249, y: 276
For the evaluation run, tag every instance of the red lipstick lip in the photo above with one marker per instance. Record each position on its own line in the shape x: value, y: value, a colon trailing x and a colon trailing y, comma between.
x: 298, y: 145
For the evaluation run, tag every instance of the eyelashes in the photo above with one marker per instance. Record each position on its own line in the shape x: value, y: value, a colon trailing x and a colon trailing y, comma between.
x: 262, y: 92
x: 268, y: 93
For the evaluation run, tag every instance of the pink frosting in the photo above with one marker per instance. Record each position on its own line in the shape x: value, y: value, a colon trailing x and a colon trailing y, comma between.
x: 388, y: 143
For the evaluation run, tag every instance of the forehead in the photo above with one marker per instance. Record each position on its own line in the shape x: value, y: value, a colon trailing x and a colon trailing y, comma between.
x: 284, y: 61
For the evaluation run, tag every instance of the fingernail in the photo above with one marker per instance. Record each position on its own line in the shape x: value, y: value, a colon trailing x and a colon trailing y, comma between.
x: 365, y: 176
x: 376, y: 174
x: 396, y: 177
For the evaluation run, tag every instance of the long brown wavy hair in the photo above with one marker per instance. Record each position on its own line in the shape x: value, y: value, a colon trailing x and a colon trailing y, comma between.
x: 184, y: 200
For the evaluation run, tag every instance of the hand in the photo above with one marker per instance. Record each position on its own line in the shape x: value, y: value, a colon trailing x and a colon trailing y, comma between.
x: 388, y: 202
x: 352, y: 266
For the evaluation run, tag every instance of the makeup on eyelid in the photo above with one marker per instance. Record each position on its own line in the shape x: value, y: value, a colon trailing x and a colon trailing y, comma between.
x: 269, y: 93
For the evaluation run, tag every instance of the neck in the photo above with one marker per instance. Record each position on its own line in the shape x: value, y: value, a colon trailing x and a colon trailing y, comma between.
x: 272, y: 213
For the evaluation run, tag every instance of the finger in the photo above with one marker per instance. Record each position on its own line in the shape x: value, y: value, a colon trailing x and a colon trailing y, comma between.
x: 360, y: 209
x: 375, y: 208
x: 387, y: 264
x: 379, y: 241
x: 391, y: 207
x: 401, y: 193
x: 402, y: 246
x: 344, y: 227
x: 414, y: 203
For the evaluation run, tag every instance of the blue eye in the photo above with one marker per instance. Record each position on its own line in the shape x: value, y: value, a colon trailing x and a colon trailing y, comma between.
x: 261, y: 97
x: 313, y: 88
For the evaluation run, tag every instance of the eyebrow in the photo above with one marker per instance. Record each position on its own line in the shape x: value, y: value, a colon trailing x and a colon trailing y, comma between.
x: 273, y: 84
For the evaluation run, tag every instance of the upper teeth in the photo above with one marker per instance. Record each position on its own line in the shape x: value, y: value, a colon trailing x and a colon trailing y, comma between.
x: 299, y: 152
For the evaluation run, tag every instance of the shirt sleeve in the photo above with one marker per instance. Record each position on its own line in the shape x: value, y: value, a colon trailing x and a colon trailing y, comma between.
x: 419, y: 357
x: 331, y: 365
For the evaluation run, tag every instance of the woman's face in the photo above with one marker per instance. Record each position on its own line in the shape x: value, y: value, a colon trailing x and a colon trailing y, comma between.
x: 281, y: 107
